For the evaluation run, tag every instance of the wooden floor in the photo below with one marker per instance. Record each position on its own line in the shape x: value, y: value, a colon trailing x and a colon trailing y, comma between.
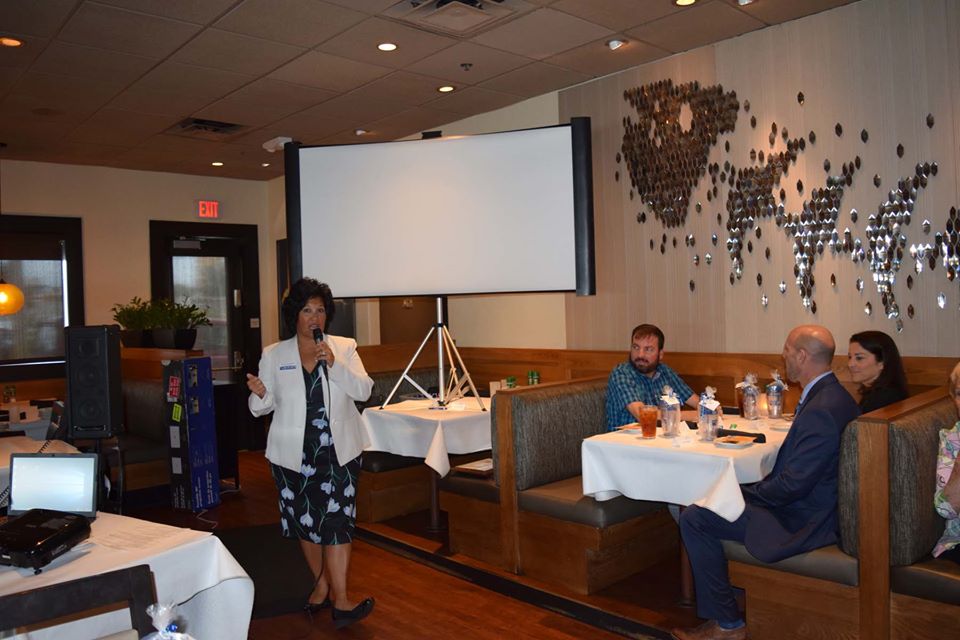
x: 413, y: 600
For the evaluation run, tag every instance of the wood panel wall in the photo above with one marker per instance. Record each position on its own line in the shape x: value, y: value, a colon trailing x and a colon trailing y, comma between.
x: 878, y: 65
x: 722, y: 370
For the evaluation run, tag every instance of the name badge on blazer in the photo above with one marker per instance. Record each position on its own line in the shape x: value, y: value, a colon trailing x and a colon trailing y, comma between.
x: 288, y: 366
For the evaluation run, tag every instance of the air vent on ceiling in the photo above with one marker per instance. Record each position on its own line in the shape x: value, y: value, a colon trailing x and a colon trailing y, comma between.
x: 456, y: 17
x: 205, y: 129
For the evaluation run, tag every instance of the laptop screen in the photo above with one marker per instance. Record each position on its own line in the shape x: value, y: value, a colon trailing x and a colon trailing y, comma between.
x: 58, y: 481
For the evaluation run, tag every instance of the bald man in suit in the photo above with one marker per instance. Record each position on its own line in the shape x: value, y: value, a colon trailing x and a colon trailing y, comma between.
x: 794, y: 508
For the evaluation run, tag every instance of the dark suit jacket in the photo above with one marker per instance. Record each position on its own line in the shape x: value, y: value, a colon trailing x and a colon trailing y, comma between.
x: 794, y: 509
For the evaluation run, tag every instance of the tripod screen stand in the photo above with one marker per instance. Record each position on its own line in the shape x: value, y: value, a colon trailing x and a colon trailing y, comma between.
x: 449, y: 390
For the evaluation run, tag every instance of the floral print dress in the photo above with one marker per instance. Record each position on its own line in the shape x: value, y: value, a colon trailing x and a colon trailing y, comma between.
x: 318, y: 502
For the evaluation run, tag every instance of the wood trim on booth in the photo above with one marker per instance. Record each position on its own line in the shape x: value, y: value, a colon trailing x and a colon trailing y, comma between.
x: 506, y: 465
x: 874, y: 510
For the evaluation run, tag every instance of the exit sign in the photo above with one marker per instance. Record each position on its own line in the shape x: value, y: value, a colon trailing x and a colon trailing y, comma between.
x: 208, y: 209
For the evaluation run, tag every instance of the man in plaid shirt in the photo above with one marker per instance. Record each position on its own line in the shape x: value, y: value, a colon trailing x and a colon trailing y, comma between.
x: 641, y: 379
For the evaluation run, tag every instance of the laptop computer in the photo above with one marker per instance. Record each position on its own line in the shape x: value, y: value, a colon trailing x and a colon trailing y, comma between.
x: 56, y: 481
x: 53, y: 497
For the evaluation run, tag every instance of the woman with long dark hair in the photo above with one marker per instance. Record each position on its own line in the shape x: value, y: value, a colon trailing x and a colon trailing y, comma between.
x: 874, y: 362
x: 310, y: 383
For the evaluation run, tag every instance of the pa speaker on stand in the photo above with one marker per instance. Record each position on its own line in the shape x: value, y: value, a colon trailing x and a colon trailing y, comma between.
x: 94, y: 398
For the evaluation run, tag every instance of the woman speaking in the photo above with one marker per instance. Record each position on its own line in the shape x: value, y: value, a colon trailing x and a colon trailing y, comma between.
x: 310, y: 382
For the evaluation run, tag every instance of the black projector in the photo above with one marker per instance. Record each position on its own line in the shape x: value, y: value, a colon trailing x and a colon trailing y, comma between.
x: 38, y: 536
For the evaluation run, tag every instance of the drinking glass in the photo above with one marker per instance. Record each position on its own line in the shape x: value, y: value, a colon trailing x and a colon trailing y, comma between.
x: 648, y: 421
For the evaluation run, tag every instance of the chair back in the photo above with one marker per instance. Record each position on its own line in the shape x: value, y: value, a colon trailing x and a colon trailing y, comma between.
x: 132, y: 586
x: 549, y: 425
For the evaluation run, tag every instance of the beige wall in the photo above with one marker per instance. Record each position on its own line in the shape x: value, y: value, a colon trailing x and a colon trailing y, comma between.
x: 116, y: 206
x: 879, y: 65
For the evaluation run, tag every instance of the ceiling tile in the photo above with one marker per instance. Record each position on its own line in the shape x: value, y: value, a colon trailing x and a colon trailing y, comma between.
x: 159, y: 102
x: 485, y: 63
x: 543, y: 33
x: 304, y: 23
x: 196, y: 11
x: 616, y: 14
x: 18, y: 131
x: 785, y: 10
x: 367, y: 6
x: 124, y: 128
x: 535, y: 79
x: 317, y: 69
x: 87, y: 62
x: 63, y: 92
x: 597, y: 59
x: 174, y: 77
x: 37, y: 111
x: 360, y: 43
x: 243, y: 113
x: 105, y: 27
x: 8, y: 75
x: 695, y: 27
x: 405, y: 88
x: 22, y: 56
x: 235, y: 52
x: 283, y: 95
x: 409, y: 122
x: 474, y: 100
x: 354, y: 109
x: 308, y: 129
x: 86, y: 153
x: 34, y: 18
x: 178, y: 145
x: 298, y: 127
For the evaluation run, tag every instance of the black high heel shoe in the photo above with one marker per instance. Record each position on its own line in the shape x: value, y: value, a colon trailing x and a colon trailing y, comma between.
x: 343, y: 618
x: 311, y: 608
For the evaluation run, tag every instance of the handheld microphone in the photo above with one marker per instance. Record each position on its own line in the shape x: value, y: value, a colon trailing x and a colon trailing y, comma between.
x: 318, y: 338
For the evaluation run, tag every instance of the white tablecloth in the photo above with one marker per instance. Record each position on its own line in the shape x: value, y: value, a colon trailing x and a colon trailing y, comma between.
x: 191, y: 568
x: 411, y: 428
x: 24, y: 444
x: 701, y: 473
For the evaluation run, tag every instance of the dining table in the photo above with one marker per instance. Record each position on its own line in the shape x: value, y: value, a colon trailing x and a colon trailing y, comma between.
x: 421, y: 429
x: 681, y: 470
x: 191, y: 569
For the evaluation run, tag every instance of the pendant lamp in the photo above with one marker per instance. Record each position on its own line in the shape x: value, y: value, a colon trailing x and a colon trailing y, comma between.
x: 11, y: 298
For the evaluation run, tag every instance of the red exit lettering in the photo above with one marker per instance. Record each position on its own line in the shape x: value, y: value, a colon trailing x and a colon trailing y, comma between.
x: 208, y: 209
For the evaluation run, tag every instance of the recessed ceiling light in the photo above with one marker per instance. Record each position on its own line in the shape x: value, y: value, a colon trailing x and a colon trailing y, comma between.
x: 615, y: 44
x: 217, y: 164
x: 10, y: 42
x: 359, y: 132
x: 387, y: 46
x: 445, y: 89
x: 744, y: 3
x: 264, y: 164
x: 683, y: 3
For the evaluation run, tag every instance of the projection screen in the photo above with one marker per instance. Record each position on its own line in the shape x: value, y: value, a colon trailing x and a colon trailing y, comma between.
x: 491, y: 213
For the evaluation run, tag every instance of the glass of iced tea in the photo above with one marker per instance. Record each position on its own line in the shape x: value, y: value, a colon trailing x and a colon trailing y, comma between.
x: 648, y: 421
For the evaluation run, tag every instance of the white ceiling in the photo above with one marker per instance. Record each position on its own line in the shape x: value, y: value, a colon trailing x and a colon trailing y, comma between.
x: 101, y: 81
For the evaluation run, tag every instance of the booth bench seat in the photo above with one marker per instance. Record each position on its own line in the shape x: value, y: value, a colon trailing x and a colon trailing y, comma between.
x: 562, y: 536
x: 879, y: 582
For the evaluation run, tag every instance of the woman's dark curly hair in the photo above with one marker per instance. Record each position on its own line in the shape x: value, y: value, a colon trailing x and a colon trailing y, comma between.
x: 300, y: 293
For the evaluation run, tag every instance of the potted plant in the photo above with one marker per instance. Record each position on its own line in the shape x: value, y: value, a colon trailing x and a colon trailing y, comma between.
x: 136, y: 319
x: 177, y: 323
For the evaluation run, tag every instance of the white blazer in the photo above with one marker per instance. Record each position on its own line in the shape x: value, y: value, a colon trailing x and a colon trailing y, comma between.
x: 346, y: 381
